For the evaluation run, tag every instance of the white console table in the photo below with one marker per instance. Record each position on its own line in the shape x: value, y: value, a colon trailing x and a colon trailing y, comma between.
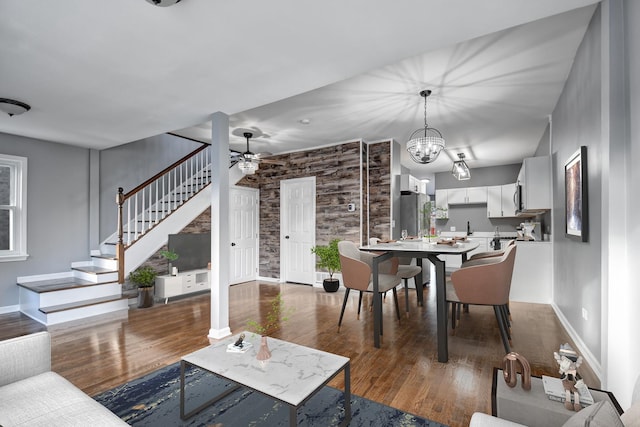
x: 185, y: 282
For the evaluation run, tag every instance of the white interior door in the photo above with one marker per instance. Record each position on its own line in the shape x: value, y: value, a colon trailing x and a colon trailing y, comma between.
x: 243, y: 215
x: 298, y: 230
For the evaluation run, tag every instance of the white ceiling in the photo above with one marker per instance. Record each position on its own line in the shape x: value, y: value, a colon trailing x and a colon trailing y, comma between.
x: 103, y: 73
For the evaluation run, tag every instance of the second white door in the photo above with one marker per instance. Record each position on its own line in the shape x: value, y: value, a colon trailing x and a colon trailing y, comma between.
x: 243, y: 215
x: 298, y: 230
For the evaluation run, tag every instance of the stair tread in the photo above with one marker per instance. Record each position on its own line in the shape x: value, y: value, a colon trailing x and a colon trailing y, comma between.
x: 79, y: 304
x: 94, y: 269
x: 60, y: 284
x: 105, y: 256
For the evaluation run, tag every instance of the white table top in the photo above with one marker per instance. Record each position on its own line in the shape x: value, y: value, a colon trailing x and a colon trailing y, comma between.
x: 291, y: 374
x: 420, y: 246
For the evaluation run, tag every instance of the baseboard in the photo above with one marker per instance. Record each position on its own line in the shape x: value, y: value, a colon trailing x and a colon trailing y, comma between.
x: 9, y: 309
x: 269, y: 279
x: 582, y: 349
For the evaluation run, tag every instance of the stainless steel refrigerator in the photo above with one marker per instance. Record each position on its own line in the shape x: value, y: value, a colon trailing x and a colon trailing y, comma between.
x: 411, y: 216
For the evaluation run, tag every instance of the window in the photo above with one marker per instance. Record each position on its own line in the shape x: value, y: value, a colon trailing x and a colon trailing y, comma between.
x: 13, y: 208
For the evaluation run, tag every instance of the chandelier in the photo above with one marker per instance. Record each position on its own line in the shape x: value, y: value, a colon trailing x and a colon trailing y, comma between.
x: 248, y: 163
x: 425, y: 144
x: 460, y: 169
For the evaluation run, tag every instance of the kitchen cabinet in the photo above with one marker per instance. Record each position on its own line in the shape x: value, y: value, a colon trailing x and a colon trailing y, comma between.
x: 469, y: 195
x: 442, y: 204
x: 535, y: 184
x: 409, y: 183
x: 501, y: 201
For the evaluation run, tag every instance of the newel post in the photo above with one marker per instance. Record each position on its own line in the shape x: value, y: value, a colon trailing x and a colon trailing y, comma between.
x: 120, y: 244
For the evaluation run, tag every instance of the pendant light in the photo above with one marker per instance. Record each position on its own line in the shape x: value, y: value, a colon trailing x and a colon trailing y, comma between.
x: 460, y: 169
x: 425, y: 144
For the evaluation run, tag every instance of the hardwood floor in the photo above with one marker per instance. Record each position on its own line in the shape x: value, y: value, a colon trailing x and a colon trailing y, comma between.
x: 103, y: 353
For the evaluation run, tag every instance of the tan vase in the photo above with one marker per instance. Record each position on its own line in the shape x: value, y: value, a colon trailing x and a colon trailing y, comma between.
x: 263, y: 352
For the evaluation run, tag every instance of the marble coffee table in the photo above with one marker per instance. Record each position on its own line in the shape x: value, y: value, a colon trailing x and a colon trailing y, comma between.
x: 292, y: 375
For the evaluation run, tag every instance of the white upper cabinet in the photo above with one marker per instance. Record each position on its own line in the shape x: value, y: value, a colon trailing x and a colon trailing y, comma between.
x: 463, y: 196
x: 535, y: 182
x: 501, y: 200
x: 412, y: 184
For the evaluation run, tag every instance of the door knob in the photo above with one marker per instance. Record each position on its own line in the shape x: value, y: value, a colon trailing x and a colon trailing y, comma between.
x: 233, y: 244
x: 286, y: 237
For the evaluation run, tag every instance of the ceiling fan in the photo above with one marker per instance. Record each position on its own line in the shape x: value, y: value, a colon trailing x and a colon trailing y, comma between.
x: 248, y: 162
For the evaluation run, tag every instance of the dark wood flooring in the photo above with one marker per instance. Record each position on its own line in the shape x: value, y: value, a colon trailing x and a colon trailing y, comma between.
x: 102, y: 353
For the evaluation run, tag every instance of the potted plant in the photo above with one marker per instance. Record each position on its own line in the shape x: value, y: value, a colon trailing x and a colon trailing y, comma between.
x: 170, y: 256
x: 278, y: 314
x: 329, y: 259
x: 145, y: 278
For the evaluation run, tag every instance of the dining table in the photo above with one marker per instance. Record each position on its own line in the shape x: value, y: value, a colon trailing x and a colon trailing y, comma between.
x: 419, y: 249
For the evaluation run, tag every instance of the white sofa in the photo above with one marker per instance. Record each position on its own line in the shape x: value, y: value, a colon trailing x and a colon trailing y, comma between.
x: 32, y: 395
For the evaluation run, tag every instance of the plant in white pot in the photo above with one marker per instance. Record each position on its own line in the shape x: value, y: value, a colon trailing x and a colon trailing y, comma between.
x: 170, y: 256
x: 145, y: 278
x: 329, y: 259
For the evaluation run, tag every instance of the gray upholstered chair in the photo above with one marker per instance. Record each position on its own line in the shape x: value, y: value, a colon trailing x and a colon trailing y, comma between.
x: 406, y: 271
x: 485, y: 284
x: 356, y: 269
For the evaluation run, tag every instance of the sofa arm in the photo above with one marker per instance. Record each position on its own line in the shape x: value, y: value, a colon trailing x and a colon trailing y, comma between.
x: 478, y: 419
x: 24, y: 357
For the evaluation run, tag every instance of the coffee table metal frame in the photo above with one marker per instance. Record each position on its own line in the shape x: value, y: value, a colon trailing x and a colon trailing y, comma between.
x: 282, y: 351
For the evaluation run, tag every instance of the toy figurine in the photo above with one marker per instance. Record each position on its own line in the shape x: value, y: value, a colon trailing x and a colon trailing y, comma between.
x: 569, y: 362
x: 239, y: 342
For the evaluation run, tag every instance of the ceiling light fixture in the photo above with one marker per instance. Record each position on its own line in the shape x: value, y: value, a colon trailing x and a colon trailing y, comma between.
x: 425, y: 144
x: 248, y: 163
x: 460, y: 169
x: 13, y: 107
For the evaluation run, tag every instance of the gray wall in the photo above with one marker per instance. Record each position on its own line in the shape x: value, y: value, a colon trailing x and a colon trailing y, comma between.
x: 134, y: 163
x: 477, y: 214
x: 576, y: 122
x: 57, y: 210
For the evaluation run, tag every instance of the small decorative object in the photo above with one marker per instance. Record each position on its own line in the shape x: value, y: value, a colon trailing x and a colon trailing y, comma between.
x: 569, y: 362
x: 144, y: 277
x: 278, y: 314
x: 511, y: 364
x: 329, y: 259
x: 263, y: 353
x: 240, y: 346
x: 170, y: 256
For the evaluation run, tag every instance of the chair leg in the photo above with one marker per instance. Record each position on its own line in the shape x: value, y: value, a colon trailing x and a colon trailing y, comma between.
x: 359, y: 304
x: 395, y: 300
x: 505, y: 320
x: 503, y: 329
x: 344, y: 304
x: 406, y: 295
x: 453, y: 315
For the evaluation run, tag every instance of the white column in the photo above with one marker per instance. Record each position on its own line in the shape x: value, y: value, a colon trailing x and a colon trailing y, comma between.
x: 220, y: 240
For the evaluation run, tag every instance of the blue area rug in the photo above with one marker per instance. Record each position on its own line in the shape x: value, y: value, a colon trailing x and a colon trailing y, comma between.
x: 154, y: 400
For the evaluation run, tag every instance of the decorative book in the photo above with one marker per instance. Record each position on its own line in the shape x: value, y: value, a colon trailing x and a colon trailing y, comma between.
x: 555, y: 391
x: 232, y: 348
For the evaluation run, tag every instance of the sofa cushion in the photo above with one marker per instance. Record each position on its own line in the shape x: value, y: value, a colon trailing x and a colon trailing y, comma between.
x: 50, y: 400
x: 600, y: 414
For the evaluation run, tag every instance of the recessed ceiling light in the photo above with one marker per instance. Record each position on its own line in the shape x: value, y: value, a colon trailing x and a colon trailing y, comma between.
x: 304, y: 121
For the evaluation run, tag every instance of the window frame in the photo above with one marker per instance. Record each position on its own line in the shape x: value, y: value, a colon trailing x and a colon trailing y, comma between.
x: 17, y: 208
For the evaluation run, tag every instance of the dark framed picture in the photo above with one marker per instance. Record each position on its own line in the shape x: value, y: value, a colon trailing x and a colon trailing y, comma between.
x: 576, y: 196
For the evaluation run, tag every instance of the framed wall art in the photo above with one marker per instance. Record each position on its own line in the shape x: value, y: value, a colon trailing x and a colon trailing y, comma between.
x: 576, y: 196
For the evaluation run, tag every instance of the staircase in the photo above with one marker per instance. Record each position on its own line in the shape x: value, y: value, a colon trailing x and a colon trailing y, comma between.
x: 147, y: 217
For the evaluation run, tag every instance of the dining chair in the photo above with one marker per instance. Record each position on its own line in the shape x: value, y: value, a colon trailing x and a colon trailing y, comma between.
x: 488, y: 283
x: 406, y: 271
x: 490, y: 254
x: 356, y: 269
